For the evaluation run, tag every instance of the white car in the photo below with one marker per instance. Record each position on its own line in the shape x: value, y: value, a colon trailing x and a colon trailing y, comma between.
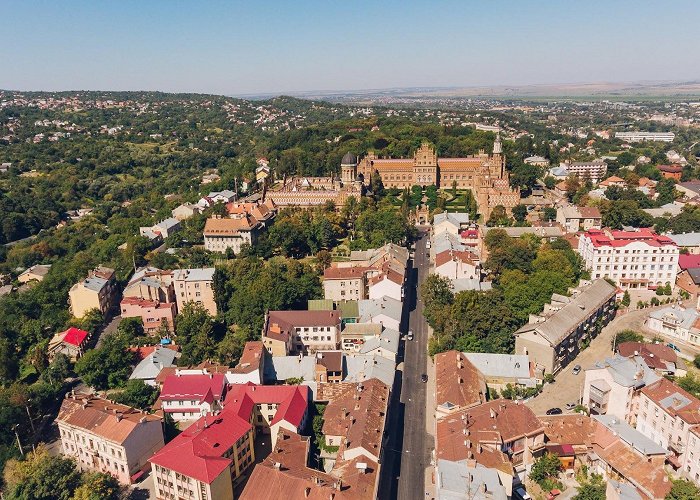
x: 409, y: 335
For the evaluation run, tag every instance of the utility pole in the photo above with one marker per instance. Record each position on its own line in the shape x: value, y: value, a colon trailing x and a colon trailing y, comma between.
x: 31, y: 422
x: 19, y: 443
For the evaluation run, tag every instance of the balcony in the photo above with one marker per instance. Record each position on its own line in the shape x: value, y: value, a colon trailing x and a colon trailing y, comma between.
x: 677, y: 447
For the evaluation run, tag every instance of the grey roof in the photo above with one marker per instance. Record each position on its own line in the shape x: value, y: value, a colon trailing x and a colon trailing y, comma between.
x: 363, y: 367
x: 557, y: 327
x: 631, y: 436
x: 226, y: 193
x: 151, y: 365
x: 95, y: 284
x: 4, y: 290
x: 447, y: 241
x: 148, y: 233
x: 141, y: 272
x: 686, y: 239
x: 685, y: 317
x: 628, y: 372
x: 168, y: 223
x: 388, y: 340
x: 625, y: 491
x: 370, y: 308
x: 195, y: 274
x: 500, y: 365
x: 349, y: 159
x: 456, y: 218
x: 38, y: 269
x: 462, y: 284
x: 457, y: 481
x: 285, y: 367
x: 668, y: 208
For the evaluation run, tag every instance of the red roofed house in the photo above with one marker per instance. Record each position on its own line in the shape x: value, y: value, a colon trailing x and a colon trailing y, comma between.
x: 204, y: 461
x: 456, y: 264
x: 386, y: 283
x: 190, y: 396
x: 458, y: 383
x: 153, y: 313
x: 671, y: 171
x: 292, y: 332
x: 72, y: 343
x: 638, y: 259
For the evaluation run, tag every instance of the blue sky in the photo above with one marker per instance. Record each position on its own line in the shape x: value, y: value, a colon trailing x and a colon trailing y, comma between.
x: 284, y: 46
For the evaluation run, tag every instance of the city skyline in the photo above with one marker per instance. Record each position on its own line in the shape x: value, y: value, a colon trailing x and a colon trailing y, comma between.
x: 238, y: 48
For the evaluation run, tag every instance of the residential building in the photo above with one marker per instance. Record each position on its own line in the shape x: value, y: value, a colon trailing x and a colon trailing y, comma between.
x: 657, y: 356
x: 458, y: 383
x: 221, y: 234
x: 152, y: 364
x: 554, y: 338
x: 645, y: 136
x: 329, y: 367
x: 162, y: 229
x: 345, y: 283
x: 456, y: 265
x: 154, y: 315
x: 191, y: 396
x: 676, y: 321
x: 34, y: 273
x: 264, y: 213
x: 107, y: 437
x: 452, y: 222
x: 574, y: 219
x: 611, y: 387
x: 215, y: 197
x: 71, y: 342
x: 386, y: 282
x: 465, y: 480
x: 251, y: 365
x: 395, y: 255
x: 537, y: 161
x: 686, y: 241
x: 367, y: 366
x: 638, y: 259
x: 386, y: 344
x: 151, y: 283
x: 385, y: 311
x: 185, y: 211
x: 94, y: 292
x: 500, y: 370
x: 587, y: 170
x: 671, y: 171
x: 195, y: 285
x: 484, y: 174
x: 690, y: 189
x: 294, y: 332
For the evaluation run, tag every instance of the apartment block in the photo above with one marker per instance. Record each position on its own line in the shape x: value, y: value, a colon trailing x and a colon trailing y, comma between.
x: 94, y: 292
x: 195, y: 285
x: 294, y: 332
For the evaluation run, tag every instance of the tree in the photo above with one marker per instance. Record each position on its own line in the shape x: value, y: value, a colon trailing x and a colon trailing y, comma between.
x: 626, y: 299
x: 627, y: 336
x: 593, y: 489
x: 98, y: 486
x: 519, y: 213
x: 41, y: 477
x: 376, y: 184
x: 545, y: 467
x: 108, y: 366
x: 550, y: 182
x: 498, y: 217
x: 195, y: 333
x: 683, y: 489
x: 696, y: 361
x: 549, y: 214
x: 137, y: 394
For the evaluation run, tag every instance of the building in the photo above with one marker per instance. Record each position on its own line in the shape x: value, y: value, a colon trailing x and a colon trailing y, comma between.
x: 499, y: 434
x: 107, y: 437
x: 587, y: 170
x: 151, y: 365
x: 385, y: 311
x: 458, y: 383
x: 345, y: 283
x: 386, y: 282
x: 458, y: 265
x: 221, y: 234
x: 553, y: 338
x: 671, y: 171
x: 452, y: 222
x: 71, y: 342
x: 154, y: 315
x: 94, y: 292
x: 574, y: 219
x: 660, y: 358
x: 611, y: 387
x: 500, y: 370
x: 185, y: 211
x: 150, y: 283
x: 195, y: 285
x: 191, y: 396
x: 251, y: 365
x: 687, y: 241
x: 677, y: 322
x: 34, y: 273
x: 645, y: 136
x: 162, y: 229
x: 638, y: 259
x: 464, y: 480
x: 295, y: 332
x: 537, y: 161
x: 484, y: 174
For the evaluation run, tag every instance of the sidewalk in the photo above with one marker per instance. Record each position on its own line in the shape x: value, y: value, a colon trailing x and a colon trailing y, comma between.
x: 430, y: 489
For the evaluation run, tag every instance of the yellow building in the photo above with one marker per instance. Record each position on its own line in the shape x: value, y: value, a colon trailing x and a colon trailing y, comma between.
x: 94, y: 292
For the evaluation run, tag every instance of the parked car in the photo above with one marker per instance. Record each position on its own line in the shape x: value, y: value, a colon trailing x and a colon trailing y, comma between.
x: 570, y: 406
x: 519, y: 493
x: 409, y: 336
x: 554, y: 411
x: 576, y: 370
x: 424, y: 378
x: 553, y: 494
x: 673, y: 346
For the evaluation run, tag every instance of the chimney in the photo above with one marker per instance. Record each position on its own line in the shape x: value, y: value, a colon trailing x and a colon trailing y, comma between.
x: 307, y: 492
x: 277, y: 465
x: 492, y: 413
x: 119, y: 417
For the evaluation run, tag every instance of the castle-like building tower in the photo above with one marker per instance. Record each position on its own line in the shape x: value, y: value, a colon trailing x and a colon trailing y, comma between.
x: 485, y: 175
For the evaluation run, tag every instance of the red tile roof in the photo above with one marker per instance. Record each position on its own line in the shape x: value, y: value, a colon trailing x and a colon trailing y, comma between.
x: 616, y: 238
x: 449, y: 255
x: 688, y: 261
x: 458, y: 381
x: 292, y: 401
x: 75, y: 336
x: 344, y: 273
x: 201, y: 388
x: 654, y: 355
x: 286, y: 321
x: 252, y: 357
x: 674, y: 400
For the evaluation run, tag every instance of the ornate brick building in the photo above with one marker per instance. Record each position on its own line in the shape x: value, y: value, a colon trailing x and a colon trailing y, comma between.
x: 484, y: 174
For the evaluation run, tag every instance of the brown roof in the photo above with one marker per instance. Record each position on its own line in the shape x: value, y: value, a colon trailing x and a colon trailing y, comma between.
x: 576, y: 430
x: 589, y: 212
x: 449, y: 255
x: 281, y: 323
x: 673, y: 169
x: 252, y: 357
x: 228, y: 227
x: 674, y: 400
x: 102, y: 417
x: 648, y: 476
x: 490, y: 424
x: 332, y: 361
x: 344, y: 273
x: 358, y: 414
x: 458, y: 381
x: 655, y: 355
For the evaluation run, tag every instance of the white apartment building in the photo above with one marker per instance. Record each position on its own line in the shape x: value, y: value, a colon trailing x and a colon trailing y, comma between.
x: 676, y: 321
x: 195, y: 285
x: 587, y: 170
x: 345, y: 283
x: 223, y: 234
x: 645, y: 136
x: 638, y: 259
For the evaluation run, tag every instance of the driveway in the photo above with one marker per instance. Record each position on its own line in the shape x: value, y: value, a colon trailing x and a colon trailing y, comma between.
x: 108, y: 329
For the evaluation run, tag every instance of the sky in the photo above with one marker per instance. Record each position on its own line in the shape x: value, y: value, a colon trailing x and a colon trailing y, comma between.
x: 236, y: 48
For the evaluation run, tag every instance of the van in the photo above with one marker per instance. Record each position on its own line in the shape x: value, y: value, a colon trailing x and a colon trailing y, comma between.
x: 520, y: 493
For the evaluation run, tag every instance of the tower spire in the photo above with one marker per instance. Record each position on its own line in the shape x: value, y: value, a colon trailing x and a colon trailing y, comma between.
x: 497, y: 146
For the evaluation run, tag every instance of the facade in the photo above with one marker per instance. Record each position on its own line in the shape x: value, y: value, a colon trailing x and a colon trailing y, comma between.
x: 638, y: 259
x: 94, y: 292
x: 108, y: 437
x: 221, y: 234
x: 553, y: 338
x: 185, y: 211
x: 676, y: 321
x: 645, y: 136
x: 191, y: 396
x: 150, y: 283
x: 34, y: 273
x: 687, y: 241
x: 163, y: 229
x: 295, y: 332
x: 72, y: 343
x: 484, y: 174
x: 574, y: 219
x: 195, y: 285
x: 588, y: 170
x: 671, y: 171
x: 153, y: 314
x: 345, y: 283
x: 456, y: 265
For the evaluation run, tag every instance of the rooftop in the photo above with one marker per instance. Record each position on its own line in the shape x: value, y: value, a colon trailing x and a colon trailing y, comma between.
x: 674, y: 400
x: 615, y: 238
x: 459, y: 384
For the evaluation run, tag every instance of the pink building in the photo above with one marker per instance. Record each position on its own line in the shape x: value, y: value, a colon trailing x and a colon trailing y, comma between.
x: 151, y: 312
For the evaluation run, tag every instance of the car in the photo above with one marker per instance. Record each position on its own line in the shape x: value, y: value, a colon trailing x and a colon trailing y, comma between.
x: 576, y: 370
x: 673, y: 346
x: 409, y: 336
x: 520, y: 494
x: 424, y: 378
x: 554, y: 411
x: 570, y: 406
